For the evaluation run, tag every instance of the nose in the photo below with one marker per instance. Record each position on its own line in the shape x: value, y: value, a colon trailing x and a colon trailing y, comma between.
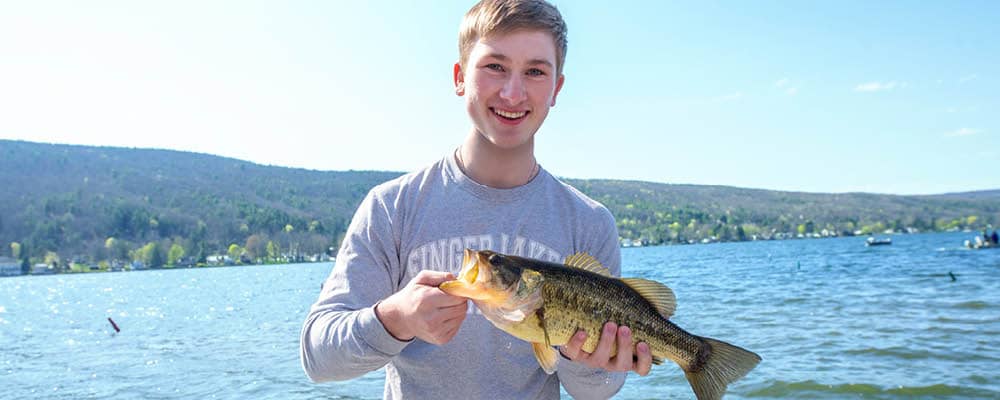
x: 513, y: 90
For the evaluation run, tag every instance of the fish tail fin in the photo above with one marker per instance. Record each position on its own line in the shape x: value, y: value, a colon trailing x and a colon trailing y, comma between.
x: 725, y: 364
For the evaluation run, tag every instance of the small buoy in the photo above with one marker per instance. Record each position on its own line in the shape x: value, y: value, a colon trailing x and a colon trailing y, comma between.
x: 114, y: 325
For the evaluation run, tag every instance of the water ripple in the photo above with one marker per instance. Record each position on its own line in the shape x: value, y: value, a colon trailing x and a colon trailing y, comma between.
x: 813, y: 389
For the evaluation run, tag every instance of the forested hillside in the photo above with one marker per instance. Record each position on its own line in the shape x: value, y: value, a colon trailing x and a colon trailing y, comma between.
x: 71, y: 199
x: 656, y: 213
x: 91, y: 204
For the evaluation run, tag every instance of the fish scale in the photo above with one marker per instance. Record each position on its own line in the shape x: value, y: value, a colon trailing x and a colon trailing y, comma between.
x: 608, y: 299
x: 546, y: 303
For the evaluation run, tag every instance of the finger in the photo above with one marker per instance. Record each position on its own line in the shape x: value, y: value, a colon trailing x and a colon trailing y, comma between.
x: 645, y: 359
x: 432, y: 278
x: 459, y: 307
x: 623, y: 359
x: 603, y: 351
x: 450, y: 334
x: 444, y: 302
x: 452, y: 317
x: 572, y: 349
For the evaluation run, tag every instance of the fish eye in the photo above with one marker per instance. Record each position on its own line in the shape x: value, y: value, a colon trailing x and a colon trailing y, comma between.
x: 495, y: 259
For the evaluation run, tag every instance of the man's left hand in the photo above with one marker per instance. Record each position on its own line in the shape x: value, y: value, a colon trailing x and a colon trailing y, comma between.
x: 602, y: 358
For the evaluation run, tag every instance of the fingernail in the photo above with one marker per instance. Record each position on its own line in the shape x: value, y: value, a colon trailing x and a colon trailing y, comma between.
x: 581, y: 335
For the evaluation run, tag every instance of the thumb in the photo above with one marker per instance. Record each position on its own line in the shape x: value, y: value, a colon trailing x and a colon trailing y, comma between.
x: 432, y: 278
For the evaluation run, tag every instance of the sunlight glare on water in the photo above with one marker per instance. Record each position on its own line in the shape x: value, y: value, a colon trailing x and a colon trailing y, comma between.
x: 831, y: 319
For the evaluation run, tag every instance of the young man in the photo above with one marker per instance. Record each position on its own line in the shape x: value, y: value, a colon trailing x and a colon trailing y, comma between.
x: 381, y: 305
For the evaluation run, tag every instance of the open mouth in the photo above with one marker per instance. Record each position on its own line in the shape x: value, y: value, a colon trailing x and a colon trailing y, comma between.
x: 470, y: 268
x: 509, y: 115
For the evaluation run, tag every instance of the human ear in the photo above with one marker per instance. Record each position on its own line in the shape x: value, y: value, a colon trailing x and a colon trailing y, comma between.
x: 559, y: 84
x: 459, y: 78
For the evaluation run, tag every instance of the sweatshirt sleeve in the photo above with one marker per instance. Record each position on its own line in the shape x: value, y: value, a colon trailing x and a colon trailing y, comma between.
x: 580, y: 381
x: 341, y: 337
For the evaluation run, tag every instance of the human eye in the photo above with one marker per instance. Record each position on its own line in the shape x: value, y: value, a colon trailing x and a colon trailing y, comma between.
x: 535, y: 72
x: 494, y: 67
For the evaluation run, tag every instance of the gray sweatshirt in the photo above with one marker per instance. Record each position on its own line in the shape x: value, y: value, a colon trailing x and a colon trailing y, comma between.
x: 425, y: 220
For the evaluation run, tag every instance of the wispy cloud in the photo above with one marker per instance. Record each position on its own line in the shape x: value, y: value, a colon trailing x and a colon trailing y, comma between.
x: 730, y: 97
x: 963, y: 132
x: 968, y: 78
x: 879, y: 86
x: 786, y: 85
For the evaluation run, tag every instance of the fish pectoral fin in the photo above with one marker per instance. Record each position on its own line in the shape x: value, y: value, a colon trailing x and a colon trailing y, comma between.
x: 658, y: 294
x: 547, y: 357
x: 586, y: 262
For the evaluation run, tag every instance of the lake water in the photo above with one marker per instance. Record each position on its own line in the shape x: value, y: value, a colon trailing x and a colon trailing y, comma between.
x: 830, y: 317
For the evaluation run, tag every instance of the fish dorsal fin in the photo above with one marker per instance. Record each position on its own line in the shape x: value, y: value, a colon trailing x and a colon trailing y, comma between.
x: 656, y: 293
x: 586, y: 262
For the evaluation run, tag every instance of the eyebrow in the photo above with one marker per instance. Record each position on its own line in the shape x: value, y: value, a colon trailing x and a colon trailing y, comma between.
x: 534, y: 61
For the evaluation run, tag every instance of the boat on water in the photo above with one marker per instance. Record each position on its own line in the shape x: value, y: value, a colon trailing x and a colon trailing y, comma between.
x: 872, y: 241
x: 979, y: 243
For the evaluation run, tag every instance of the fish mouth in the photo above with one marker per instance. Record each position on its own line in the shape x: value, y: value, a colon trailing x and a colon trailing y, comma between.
x: 472, y: 281
x: 470, y: 268
x: 466, y: 285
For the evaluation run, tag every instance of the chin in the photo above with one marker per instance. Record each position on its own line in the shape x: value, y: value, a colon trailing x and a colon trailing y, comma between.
x: 510, y: 142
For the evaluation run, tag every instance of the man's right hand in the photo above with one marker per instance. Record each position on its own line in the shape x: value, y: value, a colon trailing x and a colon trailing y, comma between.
x: 422, y: 310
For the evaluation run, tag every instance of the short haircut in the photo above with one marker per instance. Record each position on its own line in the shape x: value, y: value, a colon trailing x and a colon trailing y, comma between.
x: 493, y: 17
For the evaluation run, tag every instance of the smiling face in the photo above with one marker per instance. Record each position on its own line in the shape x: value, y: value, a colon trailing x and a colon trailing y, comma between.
x: 509, y: 82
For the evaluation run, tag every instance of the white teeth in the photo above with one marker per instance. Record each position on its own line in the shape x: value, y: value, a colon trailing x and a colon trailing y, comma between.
x: 510, y: 115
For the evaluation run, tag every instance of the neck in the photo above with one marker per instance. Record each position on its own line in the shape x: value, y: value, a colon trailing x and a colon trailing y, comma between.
x: 495, y: 167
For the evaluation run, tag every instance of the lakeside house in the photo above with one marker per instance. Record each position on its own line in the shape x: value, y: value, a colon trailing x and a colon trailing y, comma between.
x: 9, y: 267
x: 216, y: 260
x: 43, y: 269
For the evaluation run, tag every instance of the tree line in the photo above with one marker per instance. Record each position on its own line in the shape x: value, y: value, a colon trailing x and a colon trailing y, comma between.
x: 79, y: 206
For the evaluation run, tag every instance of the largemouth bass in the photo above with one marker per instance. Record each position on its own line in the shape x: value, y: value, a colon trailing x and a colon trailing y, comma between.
x: 546, y: 303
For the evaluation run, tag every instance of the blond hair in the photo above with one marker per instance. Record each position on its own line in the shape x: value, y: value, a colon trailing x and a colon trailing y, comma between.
x: 493, y: 17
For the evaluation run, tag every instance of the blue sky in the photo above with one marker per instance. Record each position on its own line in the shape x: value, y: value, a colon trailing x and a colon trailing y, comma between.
x: 887, y: 97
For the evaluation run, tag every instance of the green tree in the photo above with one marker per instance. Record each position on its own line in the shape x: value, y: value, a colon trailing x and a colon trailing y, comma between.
x: 25, y: 258
x: 273, y: 251
x: 156, y: 257
x: 117, y: 249
x: 51, y: 258
x: 235, y: 251
x: 316, y: 227
x: 175, y: 253
x: 150, y: 254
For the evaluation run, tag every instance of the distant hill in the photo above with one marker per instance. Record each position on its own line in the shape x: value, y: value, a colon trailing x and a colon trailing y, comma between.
x: 71, y: 199
x: 658, y: 213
